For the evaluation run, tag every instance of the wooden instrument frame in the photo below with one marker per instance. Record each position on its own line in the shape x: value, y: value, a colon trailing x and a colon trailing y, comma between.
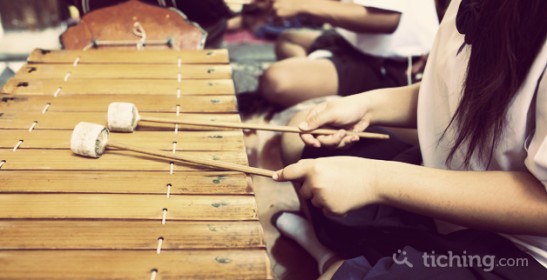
x: 125, y: 215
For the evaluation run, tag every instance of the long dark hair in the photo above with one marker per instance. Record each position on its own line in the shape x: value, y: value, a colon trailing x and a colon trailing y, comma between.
x: 505, y: 36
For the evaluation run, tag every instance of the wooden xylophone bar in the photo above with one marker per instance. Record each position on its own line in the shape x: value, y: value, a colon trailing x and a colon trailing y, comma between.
x: 124, y: 215
x: 153, y: 57
x: 146, y: 103
x: 67, y: 120
x: 70, y: 86
x: 125, y: 71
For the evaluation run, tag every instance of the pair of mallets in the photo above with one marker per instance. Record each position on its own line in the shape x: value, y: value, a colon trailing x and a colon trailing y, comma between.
x: 91, y: 140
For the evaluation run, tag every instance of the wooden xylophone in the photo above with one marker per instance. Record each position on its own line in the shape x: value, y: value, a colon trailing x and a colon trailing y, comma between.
x: 124, y: 215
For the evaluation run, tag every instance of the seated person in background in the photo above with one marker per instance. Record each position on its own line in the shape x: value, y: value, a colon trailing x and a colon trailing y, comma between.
x: 257, y: 17
x: 297, y: 42
x: 481, y: 115
x: 368, y: 49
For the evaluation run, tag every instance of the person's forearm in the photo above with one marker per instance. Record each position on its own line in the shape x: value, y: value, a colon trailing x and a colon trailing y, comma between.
x: 393, y: 106
x: 499, y: 201
x: 354, y: 17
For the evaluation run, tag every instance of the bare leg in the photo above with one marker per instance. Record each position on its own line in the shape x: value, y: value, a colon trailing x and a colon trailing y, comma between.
x: 291, y: 144
x: 235, y: 23
x: 301, y: 231
x: 330, y: 270
x: 294, y: 80
x: 291, y: 151
x: 295, y: 43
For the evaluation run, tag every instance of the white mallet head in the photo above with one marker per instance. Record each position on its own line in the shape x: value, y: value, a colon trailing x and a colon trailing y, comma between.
x: 89, y: 139
x: 122, y: 116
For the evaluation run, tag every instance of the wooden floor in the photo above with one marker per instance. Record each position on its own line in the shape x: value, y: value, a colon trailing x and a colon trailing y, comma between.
x: 289, y: 260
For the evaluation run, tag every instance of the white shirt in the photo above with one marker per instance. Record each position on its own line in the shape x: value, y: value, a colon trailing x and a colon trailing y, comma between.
x: 524, y: 143
x: 414, y: 34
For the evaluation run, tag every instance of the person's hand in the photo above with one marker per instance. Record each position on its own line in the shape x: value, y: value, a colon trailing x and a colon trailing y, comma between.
x: 289, y: 8
x: 336, y: 184
x: 347, y: 114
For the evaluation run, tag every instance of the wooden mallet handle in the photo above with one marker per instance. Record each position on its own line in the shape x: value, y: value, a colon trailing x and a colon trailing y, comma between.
x: 280, y: 128
x: 208, y: 162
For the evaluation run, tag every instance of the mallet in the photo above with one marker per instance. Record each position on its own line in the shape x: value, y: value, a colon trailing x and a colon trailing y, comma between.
x: 124, y: 117
x: 91, y: 140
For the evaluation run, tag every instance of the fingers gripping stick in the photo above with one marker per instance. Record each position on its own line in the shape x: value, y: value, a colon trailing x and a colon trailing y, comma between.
x: 91, y: 140
x: 124, y: 117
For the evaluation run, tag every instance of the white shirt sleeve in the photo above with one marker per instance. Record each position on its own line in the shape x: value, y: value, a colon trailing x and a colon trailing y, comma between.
x: 390, y: 5
x: 536, y: 160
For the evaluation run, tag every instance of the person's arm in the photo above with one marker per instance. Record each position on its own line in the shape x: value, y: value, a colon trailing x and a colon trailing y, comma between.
x: 350, y: 16
x: 394, y: 106
x: 388, y: 107
x: 499, y: 201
